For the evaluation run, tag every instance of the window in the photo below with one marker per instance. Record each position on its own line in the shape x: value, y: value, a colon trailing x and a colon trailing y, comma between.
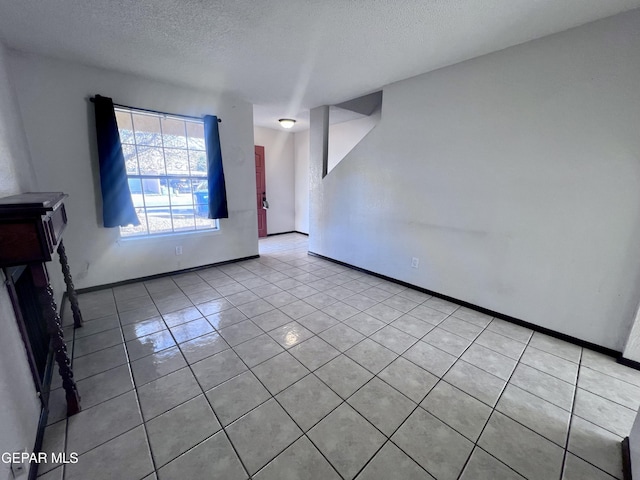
x: 167, y: 172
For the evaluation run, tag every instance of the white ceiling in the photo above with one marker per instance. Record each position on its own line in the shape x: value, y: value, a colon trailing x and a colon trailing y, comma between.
x: 285, y: 56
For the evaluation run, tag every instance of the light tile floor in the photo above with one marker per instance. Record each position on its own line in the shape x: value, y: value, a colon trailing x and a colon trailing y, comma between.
x: 293, y: 367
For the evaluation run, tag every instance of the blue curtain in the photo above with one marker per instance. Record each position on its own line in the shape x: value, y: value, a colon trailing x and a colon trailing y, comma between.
x: 217, y: 190
x: 117, y: 206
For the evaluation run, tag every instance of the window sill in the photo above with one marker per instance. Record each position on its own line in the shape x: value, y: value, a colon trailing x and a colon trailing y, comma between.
x: 169, y: 236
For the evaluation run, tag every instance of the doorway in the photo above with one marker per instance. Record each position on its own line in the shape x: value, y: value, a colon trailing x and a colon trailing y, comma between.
x: 261, y: 192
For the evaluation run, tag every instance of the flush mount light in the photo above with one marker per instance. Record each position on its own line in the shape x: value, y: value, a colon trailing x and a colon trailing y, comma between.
x: 287, y: 122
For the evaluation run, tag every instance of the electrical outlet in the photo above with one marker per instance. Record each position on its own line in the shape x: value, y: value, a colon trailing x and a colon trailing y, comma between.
x: 179, y: 250
x: 415, y: 262
x: 19, y: 468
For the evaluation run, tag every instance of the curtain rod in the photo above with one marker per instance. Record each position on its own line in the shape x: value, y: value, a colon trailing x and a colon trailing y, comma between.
x: 92, y: 100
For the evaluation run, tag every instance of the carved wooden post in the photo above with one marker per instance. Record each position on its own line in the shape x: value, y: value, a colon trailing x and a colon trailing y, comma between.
x: 54, y: 327
x: 71, y: 290
x: 31, y: 226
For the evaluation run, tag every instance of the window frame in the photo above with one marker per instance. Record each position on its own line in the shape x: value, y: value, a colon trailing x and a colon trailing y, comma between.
x: 167, y: 178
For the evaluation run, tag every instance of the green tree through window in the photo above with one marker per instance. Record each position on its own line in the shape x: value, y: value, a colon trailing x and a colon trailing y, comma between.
x: 166, y: 165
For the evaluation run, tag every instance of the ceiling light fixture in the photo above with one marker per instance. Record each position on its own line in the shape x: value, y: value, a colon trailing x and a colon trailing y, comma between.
x: 287, y: 122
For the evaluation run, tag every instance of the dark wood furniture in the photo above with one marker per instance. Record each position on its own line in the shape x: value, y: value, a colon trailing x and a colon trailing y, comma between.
x: 31, y: 227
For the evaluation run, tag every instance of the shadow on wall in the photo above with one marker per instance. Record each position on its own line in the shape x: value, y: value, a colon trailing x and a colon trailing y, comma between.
x: 349, y: 123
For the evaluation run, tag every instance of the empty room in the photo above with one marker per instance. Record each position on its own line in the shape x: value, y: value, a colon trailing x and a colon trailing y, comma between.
x: 320, y: 240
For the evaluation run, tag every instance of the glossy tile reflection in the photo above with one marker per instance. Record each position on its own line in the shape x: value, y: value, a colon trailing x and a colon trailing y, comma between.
x: 289, y: 366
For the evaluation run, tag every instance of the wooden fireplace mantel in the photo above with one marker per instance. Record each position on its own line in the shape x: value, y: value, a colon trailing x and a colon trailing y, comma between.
x: 31, y: 228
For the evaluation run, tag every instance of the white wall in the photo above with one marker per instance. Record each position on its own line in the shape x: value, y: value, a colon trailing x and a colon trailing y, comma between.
x: 513, y: 177
x: 302, y: 181
x: 20, y: 407
x: 632, y: 347
x: 279, y: 161
x: 344, y: 136
x: 59, y: 123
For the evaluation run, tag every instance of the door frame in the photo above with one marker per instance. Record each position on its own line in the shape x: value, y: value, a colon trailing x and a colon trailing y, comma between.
x: 261, y: 212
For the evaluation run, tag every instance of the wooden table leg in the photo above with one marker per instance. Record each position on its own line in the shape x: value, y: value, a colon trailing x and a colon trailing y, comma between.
x: 54, y: 327
x: 71, y: 290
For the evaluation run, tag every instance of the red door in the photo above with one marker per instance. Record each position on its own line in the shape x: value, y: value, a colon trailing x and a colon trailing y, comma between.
x: 261, y: 192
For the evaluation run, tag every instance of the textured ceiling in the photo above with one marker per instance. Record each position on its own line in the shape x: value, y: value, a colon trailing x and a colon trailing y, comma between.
x: 285, y: 56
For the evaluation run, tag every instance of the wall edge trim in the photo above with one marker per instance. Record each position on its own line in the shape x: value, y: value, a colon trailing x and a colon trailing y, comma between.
x: 627, y: 362
x: 161, y: 275
x: 537, y: 328
x: 626, y: 459
x: 285, y: 233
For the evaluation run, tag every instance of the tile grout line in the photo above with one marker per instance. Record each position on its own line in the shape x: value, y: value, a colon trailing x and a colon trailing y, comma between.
x: 588, y: 367
x: 222, y: 427
x: 343, y: 401
x: 66, y: 427
x: 525, y: 426
x: 267, y: 332
x: 210, y: 406
x: 387, y: 437
x: 572, y: 415
x: 417, y: 403
x: 135, y: 389
x: 67, y: 419
x: 501, y: 379
x: 272, y: 396
x: 343, y: 353
x: 595, y: 424
x: 573, y: 405
x: 419, y: 338
x: 575, y: 387
x: 304, y: 434
x: 340, y: 321
x: 441, y: 379
x: 493, y: 410
x: 518, y: 360
x: 343, y: 321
